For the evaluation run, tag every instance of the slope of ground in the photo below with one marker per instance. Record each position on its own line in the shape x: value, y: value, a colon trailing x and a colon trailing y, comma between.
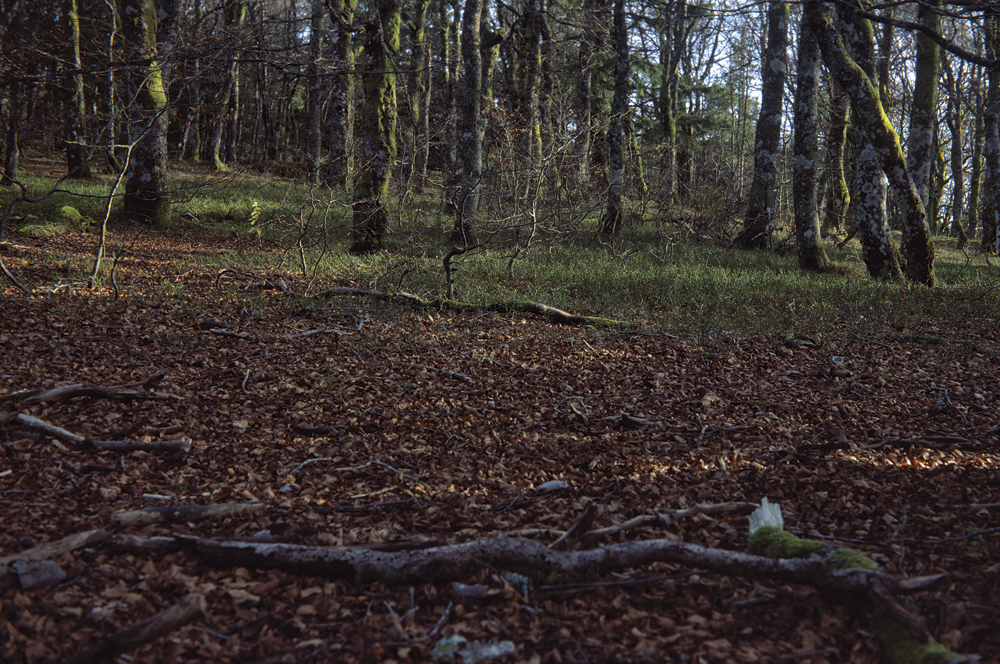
x: 397, y: 424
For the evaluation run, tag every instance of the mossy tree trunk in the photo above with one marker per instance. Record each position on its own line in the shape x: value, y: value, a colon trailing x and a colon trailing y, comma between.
x: 808, y: 243
x: 146, y: 196
x: 759, y: 215
x: 870, y: 189
x: 77, y: 163
x: 375, y: 131
x: 469, y: 158
x: 341, y: 87
x: 838, y: 193
x: 918, y: 248
x: 235, y: 15
x: 419, y: 85
x: 923, y: 110
x: 613, y: 218
x: 673, y: 43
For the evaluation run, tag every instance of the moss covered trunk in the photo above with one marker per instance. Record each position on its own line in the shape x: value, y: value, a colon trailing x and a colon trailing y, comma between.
x: 376, y: 129
x: 146, y: 196
x: 341, y: 85
x: 918, y: 248
x: 838, y: 196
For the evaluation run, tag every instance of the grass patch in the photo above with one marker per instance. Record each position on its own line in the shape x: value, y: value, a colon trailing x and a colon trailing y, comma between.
x: 652, y: 274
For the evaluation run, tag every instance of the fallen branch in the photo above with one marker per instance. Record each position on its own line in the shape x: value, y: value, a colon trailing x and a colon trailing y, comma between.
x: 50, y: 429
x: 128, y: 392
x: 138, y: 446
x: 667, y: 517
x: 130, y: 638
x: 459, y: 561
x: 166, y: 514
x: 551, y: 314
x: 48, y: 551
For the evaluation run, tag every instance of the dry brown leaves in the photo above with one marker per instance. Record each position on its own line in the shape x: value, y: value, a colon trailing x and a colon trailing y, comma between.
x: 893, y: 451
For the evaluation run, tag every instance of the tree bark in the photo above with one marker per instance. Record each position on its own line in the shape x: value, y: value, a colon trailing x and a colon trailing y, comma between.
x: 77, y: 164
x: 341, y: 87
x: 420, y: 76
x: 469, y: 164
x: 868, y: 199
x: 808, y: 243
x: 589, y: 45
x: 918, y: 248
x: 923, y: 111
x: 838, y: 193
x: 376, y: 129
x: 613, y: 218
x: 235, y: 15
x: 759, y: 216
x: 146, y: 196
x: 314, y: 125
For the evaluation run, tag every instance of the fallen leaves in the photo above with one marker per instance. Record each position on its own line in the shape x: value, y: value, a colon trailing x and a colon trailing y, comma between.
x: 452, y: 428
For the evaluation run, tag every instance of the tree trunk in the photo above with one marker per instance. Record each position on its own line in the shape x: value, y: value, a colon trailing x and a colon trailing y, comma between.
x: 12, y: 138
x: 469, y: 164
x: 923, y: 112
x: 314, y: 136
x: 588, y: 48
x: 341, y: 86
x: 838, y: 193
x: 868, y: 197
x: 235, y: 14
x: 804, y: 175
x: 531, y: 89
x: 991, y: 230
x: 376, y: 129
x: 760, y: 207
x: 976, y: 179
x: 77, y: 163
x: 918, y: 248
x: 146, y: 196
x: 954, y: 121
x: 418, y: 84
x: 613, y: 219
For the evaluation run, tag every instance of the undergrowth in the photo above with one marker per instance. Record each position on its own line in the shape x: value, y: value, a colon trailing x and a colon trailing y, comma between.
x: 661, y: 274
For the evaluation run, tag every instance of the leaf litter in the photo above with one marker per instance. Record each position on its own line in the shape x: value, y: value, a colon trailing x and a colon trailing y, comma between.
x: 408, y: 426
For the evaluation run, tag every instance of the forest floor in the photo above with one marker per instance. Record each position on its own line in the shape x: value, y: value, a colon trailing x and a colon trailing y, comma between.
x: 402, y: 424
